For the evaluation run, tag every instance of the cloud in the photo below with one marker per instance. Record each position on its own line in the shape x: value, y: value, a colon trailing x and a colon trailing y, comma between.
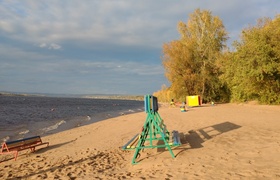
x: 50, y: 46
x: 129, y: 23
x: 42, y: 45
x: 54, y: 46
x: 56, y: 21
x: 101, y: 46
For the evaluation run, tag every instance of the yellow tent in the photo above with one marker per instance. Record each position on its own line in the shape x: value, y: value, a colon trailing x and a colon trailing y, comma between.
x: 193, y: 100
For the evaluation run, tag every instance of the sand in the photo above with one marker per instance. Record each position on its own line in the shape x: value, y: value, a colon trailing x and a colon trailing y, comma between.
x: 225, y: 141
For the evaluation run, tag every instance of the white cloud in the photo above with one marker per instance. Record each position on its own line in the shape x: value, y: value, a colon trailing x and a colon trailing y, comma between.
x: 42, y: 45
x: 128, y: 22
x: 50, y: 46
x: 54, y: 46
x: 6, y: 26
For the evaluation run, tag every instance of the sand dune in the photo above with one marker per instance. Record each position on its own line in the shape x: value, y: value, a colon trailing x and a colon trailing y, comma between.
x: 227, y: 141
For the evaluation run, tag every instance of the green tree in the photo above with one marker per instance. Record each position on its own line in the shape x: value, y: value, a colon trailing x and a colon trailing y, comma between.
x: 190, y: 62
x: 252, y: 71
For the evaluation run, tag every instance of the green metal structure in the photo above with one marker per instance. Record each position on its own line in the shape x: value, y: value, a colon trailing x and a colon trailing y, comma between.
x: 153, y: 131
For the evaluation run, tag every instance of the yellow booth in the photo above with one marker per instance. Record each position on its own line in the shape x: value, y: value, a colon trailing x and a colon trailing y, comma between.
x: 193, y: 100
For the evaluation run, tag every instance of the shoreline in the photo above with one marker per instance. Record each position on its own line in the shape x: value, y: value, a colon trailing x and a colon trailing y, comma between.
x: 222, y: 141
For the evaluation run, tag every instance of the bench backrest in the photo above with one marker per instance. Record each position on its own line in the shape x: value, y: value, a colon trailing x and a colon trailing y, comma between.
x: 21, y: 143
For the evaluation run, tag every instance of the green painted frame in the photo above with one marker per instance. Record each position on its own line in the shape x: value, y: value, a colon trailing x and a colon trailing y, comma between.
x: 153, y: 130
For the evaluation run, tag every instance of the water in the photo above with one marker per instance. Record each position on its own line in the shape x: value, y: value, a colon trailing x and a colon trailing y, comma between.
x: 24, y: 116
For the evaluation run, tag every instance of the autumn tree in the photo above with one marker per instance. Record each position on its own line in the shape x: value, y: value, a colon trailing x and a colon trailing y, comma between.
x: 252, y: 71
x: 190, y: 62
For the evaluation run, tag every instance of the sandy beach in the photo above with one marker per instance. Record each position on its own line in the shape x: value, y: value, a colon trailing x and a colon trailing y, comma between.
x: 225, y: 141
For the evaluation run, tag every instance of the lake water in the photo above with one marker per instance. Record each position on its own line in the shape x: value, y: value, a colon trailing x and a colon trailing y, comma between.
x: 25, y: 116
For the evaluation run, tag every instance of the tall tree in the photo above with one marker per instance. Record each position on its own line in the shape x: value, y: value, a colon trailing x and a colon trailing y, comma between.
x: 190, y: 62
x: 253, y: 70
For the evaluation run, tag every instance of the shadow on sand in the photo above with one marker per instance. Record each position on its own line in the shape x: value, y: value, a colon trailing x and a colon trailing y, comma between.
x: 195, y: 138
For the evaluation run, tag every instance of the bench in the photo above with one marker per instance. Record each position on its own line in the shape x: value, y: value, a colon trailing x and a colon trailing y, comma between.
x: 13, y: 147
x: 131, y: 144
x: 173, y: 140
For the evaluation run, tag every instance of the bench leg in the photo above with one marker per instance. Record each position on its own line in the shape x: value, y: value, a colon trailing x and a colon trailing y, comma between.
x: 16, y: 155
x: 32, y: 149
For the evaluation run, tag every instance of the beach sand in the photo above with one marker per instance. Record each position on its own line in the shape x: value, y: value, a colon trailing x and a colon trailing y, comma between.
x: 225, y: 141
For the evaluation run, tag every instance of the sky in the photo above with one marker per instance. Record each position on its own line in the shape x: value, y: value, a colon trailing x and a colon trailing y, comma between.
x: 102, y: 46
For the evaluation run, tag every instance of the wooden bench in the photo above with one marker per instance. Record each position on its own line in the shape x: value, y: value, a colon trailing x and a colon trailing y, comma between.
x: 173, y: 140
x: 131, y: 144
x: 13, y: 147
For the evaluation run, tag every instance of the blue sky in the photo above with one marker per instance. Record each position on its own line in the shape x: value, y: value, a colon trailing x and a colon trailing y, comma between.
x: 102, y: 46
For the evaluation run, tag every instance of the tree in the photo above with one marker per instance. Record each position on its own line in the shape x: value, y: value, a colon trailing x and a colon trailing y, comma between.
x: 253, y: 70
x: 190, y: 62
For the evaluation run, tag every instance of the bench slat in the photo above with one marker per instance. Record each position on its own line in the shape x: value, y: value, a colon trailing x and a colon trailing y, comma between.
x: 131, y: 142
x: 23, y: 142
x: 27, y: 147
x: 11, y: 142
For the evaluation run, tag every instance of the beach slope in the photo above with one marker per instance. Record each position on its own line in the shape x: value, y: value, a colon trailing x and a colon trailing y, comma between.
x: 225, y: 141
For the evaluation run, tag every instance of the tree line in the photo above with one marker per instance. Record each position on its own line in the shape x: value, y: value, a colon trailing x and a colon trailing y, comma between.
x: 200, y: 63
